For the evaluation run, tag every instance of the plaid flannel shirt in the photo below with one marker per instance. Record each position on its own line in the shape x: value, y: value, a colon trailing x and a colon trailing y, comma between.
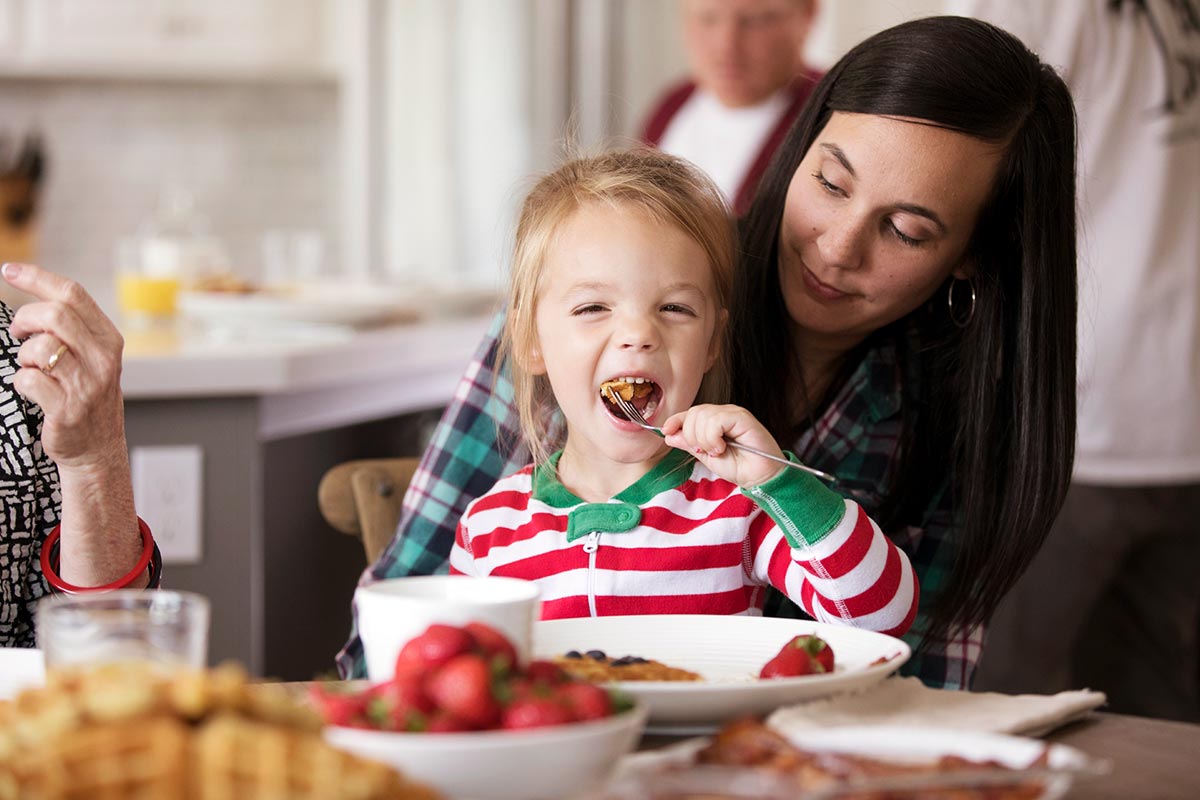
x: 478, y: 441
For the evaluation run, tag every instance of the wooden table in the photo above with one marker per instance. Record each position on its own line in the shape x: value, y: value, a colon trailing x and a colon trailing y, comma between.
x: 1151, y: 759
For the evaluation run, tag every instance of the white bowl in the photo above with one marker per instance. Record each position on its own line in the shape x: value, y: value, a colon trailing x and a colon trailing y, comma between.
x: 392, y: 611
x: 552, y: 763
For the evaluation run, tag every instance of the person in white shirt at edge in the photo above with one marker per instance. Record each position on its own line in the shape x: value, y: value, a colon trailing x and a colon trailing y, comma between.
x: 748, y: 83
x: 622, y: 272
x: 1113, y: 599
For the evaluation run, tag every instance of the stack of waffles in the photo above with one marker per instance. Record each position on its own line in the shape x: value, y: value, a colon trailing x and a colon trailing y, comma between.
x: 129, y: 731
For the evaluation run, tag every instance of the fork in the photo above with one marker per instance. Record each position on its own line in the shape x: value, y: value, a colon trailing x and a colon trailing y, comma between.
x: 633, y: 415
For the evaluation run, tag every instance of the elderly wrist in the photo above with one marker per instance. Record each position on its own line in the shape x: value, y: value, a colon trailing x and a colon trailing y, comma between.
x: 98, y: 465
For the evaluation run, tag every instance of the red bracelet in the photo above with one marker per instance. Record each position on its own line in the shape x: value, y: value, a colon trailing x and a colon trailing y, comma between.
x: 50, y: 567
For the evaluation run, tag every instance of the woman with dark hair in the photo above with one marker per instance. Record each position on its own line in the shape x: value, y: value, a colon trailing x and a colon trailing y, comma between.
x: 911, y: 245
x: 979, y: 360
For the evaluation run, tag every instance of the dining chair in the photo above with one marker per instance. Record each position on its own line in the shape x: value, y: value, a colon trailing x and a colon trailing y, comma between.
x: 362, y: 498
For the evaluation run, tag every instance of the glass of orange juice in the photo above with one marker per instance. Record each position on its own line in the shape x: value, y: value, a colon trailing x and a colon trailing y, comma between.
x: 148, y: 280
x: 147, y: 295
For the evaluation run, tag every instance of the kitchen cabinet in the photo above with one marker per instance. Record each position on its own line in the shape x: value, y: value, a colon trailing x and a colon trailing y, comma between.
x: 181, y: 39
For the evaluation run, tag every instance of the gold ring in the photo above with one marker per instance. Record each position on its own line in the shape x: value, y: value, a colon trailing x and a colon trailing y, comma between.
x: 53, y: 362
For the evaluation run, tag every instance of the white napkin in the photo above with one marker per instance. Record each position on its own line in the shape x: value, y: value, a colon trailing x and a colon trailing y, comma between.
x: 907, y: 701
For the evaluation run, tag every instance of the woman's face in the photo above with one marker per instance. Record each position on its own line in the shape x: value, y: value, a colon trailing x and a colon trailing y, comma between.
x: 878, y: 214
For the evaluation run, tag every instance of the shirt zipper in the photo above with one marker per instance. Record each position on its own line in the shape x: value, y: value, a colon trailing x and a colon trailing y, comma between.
x: 590, y: 547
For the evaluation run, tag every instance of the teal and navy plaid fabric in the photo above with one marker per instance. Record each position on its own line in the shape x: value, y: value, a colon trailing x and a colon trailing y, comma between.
x: 478, y: 442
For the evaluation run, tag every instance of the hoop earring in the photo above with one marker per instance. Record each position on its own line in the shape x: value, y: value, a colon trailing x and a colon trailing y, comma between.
x: 960, y: 323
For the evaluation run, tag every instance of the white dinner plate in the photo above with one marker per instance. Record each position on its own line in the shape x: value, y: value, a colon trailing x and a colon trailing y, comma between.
x: 728, y: 652
x: 20, y: 668
x: 909, y: 744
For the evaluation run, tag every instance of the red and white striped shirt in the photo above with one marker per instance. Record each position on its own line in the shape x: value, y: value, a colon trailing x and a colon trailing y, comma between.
x: 683, y: 541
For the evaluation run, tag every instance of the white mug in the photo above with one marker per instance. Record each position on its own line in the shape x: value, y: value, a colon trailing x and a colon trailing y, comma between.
x: 391, y: 612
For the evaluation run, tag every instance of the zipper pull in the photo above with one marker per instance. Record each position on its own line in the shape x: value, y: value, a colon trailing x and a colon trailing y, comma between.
x: 593, y: 542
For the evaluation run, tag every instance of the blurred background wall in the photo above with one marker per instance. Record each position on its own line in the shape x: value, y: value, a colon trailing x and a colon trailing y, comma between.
x: 402, y: 132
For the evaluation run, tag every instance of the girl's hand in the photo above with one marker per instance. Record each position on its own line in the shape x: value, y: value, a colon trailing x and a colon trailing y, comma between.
x: 71, y: 367
x: 703, y: 430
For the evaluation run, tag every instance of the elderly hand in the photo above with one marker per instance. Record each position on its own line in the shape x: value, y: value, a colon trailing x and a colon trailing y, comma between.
x: 71, y: 367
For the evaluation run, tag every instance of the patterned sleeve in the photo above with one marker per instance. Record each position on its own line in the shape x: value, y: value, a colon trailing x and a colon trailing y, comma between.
x: 30, y: 496
x: 946, y: 665
x: 477, y: 441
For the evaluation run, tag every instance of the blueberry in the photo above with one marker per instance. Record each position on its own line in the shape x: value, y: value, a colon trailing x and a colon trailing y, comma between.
x: 596, y: 654
x: 623, y: 661
x: 572, y: 654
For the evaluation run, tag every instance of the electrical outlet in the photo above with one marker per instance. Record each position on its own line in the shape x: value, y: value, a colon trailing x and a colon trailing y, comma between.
x: 168, y: 493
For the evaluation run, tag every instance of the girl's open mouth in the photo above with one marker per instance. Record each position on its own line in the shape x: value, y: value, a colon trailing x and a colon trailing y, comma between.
x: 643, y: 393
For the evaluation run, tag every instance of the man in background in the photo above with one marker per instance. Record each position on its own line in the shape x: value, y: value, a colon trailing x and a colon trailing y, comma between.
x: 1112, y: 601
x: 748, y: 84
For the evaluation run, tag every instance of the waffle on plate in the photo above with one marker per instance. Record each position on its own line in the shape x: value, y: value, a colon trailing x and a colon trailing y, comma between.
x: 595, y: 666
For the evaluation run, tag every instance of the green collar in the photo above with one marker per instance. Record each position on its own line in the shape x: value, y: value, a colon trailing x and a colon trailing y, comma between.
x: 620, y: 514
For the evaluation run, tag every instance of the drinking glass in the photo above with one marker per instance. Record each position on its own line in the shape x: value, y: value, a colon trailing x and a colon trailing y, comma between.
x: 166, y: 628
x: 147, y: 283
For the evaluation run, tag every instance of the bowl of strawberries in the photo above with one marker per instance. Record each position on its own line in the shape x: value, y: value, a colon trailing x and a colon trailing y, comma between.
x: 464, y: 715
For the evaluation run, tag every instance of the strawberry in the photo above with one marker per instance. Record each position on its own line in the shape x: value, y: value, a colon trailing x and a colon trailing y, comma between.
x: 441, y: 722
x: 819, y: 649
x: 545, y: 672
x: 513, y: 688
x: 494, y: 645
x: 802, y: 655
x: 340, y: 707
x: 585, y: 700
x: 535, y: 712
x: 462, y: 687
x: 437, y: 645
x: 384, y: 716
x: 395, y: 703
x: 788, y: 663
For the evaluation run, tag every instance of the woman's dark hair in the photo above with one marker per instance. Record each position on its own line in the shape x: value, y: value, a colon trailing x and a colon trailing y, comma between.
x: 994, y: 407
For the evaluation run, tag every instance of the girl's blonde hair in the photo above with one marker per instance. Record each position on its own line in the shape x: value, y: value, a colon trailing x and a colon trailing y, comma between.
x: 672, y: 192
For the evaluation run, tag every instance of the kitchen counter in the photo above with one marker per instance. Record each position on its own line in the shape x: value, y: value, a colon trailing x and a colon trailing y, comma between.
x: 269, y: 413
x: 308, y: 378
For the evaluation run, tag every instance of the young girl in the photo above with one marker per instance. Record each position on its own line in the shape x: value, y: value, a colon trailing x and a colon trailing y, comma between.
x: 621, y: 276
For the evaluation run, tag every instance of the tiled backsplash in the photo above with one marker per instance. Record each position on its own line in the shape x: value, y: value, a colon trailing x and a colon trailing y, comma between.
x: 254, y: 157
